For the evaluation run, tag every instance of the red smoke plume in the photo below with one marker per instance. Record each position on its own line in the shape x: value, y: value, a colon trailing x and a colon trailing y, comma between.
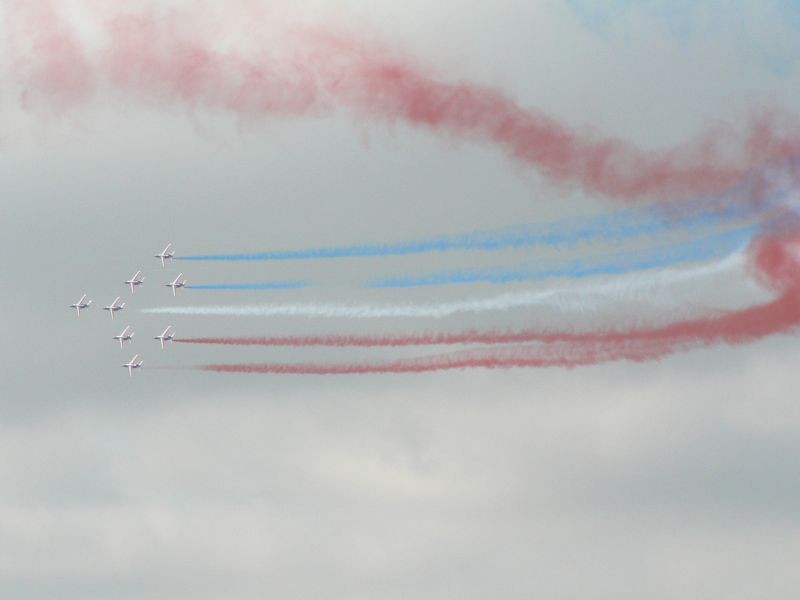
x: 182, y: 57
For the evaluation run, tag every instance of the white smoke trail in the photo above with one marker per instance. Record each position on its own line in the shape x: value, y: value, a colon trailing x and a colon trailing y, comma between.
x: 581, y: 298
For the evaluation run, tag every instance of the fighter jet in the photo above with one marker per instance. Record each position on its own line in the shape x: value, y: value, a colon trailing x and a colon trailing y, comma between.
x: 137, y: 279
x: 165, y: 255
x: 81, y: 304
x: 176, y: 284
x: 133, y: 365
x: 125, y: 336
x: 114, y: 307
x: 165, y: 336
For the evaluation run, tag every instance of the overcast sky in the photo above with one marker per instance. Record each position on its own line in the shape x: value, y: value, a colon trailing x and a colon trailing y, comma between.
x: 668, y: 479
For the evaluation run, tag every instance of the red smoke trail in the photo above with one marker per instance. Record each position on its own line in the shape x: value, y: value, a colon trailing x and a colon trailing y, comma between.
x: 496, y: 359
x: 571, y: 350
x: 574, y: 349
x: 182, y: 57
x: 774, y: 259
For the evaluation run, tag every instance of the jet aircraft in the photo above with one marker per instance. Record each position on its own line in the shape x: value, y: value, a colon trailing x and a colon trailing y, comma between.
x: 176, y: 284
x: 81, y: 304
x: 133, y: 365
x: 137, y: 279
x: 125, y: 336
x: 166, y: 336
x: 114, y: 307
x: 165, y: 255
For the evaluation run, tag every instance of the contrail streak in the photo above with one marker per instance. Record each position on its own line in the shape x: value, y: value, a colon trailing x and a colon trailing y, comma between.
x: 491, y: 359
x: 734, y: 328
x: 716, y: 246
x: 710, y: 247
x: 184, y: 56
x: 774, y: 259
x: 585, y: 297
x: 570, y: 350
x: 610, y: 227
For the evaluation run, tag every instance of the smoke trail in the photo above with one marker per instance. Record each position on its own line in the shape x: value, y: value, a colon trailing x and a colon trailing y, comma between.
x: 775, y: 259
x: 184, y: 56
x: 715, y: 246
x: 584, y: 297
x: 566, y: 349
x: 377, y: 311
x: 555, y: 355
x: 677, y: 330
x: 441, y: 362
x: 612, y: 227
x: 581, y: 350
x: 267, y: 285
x: 736, y: 328
x: 372, y: 341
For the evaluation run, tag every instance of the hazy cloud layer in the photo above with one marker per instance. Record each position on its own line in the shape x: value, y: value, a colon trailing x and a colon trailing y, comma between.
x: 761, y: 33
x: 670, y: 479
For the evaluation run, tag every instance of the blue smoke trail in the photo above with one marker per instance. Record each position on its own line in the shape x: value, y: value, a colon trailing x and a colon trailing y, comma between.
x: 612, y: 227
x: 268, y: 285
x: 715, y: 246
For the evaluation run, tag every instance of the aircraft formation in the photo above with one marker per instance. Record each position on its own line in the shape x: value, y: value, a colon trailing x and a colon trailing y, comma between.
x: 168, y: 335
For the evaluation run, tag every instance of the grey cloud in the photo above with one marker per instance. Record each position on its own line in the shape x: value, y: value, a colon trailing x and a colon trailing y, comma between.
x: 660, y: 480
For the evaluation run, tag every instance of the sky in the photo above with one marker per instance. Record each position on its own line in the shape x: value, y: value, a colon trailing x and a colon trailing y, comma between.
x: 661, y: 478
